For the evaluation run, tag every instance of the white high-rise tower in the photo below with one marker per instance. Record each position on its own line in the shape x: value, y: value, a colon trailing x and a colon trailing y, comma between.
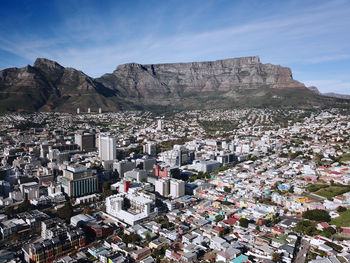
x: 160, y: 125
x: 106, y: 148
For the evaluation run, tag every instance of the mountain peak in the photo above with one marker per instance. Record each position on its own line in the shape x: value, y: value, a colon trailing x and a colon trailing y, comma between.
x: 47, y: 63
x: 225, y: 83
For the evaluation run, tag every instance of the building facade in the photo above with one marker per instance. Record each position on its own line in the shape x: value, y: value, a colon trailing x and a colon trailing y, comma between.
x: 79, y: 181
x: 107, y: 150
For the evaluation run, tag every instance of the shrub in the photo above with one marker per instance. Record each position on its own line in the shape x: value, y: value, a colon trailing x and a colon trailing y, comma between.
x: 341, y: 209
x: 317, y: 215
x: 243, y: 222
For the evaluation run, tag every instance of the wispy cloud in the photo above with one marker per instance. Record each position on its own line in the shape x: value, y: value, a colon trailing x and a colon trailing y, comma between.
x: 96, y: 45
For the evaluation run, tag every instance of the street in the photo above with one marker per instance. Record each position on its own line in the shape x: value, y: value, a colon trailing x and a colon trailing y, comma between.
x: 303, y: 252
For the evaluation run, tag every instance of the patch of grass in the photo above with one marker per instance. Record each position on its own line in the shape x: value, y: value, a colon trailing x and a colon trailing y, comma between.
x: 342, y: 220
x: 345, y: 157
x: 316, y: 187
x: 333, y: 191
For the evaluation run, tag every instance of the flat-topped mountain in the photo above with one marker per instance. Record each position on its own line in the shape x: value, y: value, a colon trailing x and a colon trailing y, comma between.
x: 236, y: 82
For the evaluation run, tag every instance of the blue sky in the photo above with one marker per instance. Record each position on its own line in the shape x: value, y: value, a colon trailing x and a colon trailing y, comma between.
x: 312, y: 37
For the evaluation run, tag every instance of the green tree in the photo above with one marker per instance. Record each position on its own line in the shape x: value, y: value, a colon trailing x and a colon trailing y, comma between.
x: 66, y: 211
x: 341, y: 209
x: 243, y: 222
x: 227, y: 189
x: 276, y: 257
x: 318, y: 215
x: 328, y: 232
x: 306, y: 227
x: 148, y: 237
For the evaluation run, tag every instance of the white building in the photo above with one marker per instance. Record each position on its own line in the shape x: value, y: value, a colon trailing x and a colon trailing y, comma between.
x: 136, y: 175
x: 162, y: 186
x: 205, y: 166
x: 150, y: 148
x: 106, y: 148
x: 30, y: 190
x: 138, y: 208
x: 177, y: 188
x: 160, y: 125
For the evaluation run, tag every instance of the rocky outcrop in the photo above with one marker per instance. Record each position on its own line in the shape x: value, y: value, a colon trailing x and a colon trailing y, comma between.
x: 314, y: 89
x: 186, y: 79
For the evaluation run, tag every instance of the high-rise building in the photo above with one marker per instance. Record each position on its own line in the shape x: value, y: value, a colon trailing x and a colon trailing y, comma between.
x: 107, y: 148
x: 150, y: 148
x: 160, y: 125
x: 78, y: 180
x: 146, y: 163
x: 123, y: 166
x: 86, y: 141
x: 161, y: 173
x: 162, y: 186
x: 177, y: 188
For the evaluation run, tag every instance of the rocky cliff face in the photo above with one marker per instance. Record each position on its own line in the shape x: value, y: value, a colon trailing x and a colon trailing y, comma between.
x: 178, y: 79
x: 223, y: 83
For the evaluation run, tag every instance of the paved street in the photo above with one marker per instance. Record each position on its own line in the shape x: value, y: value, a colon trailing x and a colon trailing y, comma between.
x: 303, y: 251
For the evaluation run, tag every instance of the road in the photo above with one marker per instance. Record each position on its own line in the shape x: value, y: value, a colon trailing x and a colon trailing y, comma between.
x: 316, y: 197
x: 303, y: 252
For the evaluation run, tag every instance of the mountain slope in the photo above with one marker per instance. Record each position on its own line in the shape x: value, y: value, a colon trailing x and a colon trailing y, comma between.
x: 329, y: 94
x: 224, y: 83
x: 49, y: 86
x: 237, y: 82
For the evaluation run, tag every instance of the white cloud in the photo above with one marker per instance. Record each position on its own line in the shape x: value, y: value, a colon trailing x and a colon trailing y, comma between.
x: 299, y: 37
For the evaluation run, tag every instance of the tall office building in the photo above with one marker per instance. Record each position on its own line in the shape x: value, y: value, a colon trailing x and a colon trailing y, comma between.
x: 86, y: 141
x: 162, y: 187
x: 160, y: 125
x: 123, y: 166
x: 107, y: 148
x: 78, y: 180
x: 177, y: 188
x: 150, y: 148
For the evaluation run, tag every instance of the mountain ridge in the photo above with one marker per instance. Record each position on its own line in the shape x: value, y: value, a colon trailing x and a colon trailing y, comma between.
x: 233, y: 82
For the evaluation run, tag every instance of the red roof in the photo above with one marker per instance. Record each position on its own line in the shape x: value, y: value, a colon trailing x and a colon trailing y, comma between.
x: 218, y: 228
x: 278, y: 229
x: 176, y: 255
x: 324, y: 224
x: 230, y: 221
x: 337, y: 173
x: 346, y: 230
